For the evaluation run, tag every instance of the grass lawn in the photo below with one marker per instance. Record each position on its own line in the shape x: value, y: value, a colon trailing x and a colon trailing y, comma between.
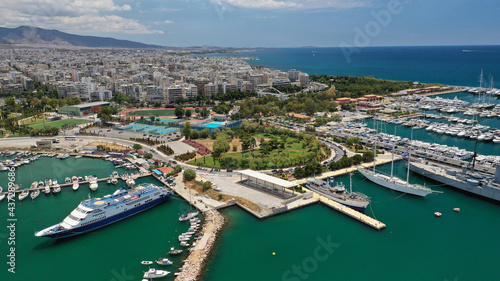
x: 34, y: 120
x: 158, y: 112
x: 292, y: 150
x: 61, y: 123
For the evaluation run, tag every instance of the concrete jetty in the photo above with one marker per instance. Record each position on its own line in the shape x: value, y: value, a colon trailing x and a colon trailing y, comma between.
x: 350, y: 212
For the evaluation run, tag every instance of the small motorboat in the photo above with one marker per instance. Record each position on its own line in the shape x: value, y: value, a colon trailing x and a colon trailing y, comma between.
x: 41, y: 184
x: 114, y: 181
x: 188, y: 216
x: 67, y: 180
x: 56, y: 188
x: 174, y: 252
x: 154, y: 273
x: 34, y: 184
x: 24, y: 194
x: 93, y: 183
x: 78, y: 156
x: 130, y: 182
x: 146, y: 262
x: 185, y: 244
x: 164, y: 261
x: 34, y: 194
x: 438, y: 214
x: 75, y: 183
x: 46, y: 189
x: 2, y: 196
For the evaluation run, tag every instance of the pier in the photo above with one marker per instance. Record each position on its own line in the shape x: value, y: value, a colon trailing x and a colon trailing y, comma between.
x: 351, y: 212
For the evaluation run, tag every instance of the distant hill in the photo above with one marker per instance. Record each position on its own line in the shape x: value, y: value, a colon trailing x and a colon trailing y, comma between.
x: 28, y: 35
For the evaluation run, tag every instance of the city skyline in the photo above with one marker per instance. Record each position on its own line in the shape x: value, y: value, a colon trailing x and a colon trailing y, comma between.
x: 266, y: 23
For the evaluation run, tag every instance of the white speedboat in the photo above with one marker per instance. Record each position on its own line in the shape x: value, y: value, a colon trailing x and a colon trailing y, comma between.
x: 34, y: 194
x: 56, y: 188
x: 130, y: 182
x: 67, y: 180
x: 24, y: 194
x: 48, y: 182
x: 93, y: 183
x: 34, y: 184
x: 188, y: 215
x: 146, y: 262
x: 76, y: 185
x: 2, y: 196
x: 164, y: 261
x: 155, y: 273
x: 114, y: 181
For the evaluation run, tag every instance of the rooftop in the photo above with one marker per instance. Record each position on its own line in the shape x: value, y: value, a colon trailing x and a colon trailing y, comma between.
x: 267, y: 178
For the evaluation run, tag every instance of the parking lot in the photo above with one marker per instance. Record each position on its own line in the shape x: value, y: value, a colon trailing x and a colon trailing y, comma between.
x: 227, y: 184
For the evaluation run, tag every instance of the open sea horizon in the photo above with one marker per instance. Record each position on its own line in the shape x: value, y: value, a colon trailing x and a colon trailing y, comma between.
x: 450, y: 65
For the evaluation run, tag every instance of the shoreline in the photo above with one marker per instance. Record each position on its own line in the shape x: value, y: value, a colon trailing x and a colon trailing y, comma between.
x: 194, y: 264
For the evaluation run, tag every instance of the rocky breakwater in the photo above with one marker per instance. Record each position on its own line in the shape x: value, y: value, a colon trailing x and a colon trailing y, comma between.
x: 194, y: 264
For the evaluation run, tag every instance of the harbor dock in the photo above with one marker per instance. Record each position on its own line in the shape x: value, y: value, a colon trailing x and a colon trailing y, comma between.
x: 351, y: 212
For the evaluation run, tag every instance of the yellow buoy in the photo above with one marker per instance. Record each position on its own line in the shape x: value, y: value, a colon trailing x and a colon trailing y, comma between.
x: 274, y: 254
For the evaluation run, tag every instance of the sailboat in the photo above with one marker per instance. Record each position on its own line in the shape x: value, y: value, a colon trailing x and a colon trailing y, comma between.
x: 189, y: 214
x: 393, y: 182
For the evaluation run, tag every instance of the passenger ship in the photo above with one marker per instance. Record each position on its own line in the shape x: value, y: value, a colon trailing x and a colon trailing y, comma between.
x: 95, y: 213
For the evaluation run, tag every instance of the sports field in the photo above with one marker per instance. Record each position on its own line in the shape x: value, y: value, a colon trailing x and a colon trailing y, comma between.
x: 61, y: 123
x: 152, y: 112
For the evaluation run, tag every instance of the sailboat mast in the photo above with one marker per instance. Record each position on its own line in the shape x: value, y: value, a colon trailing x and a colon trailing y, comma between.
x: 393, y: 144
x: 474, y: 157
x: 409, y: 157
x: 350, y: 182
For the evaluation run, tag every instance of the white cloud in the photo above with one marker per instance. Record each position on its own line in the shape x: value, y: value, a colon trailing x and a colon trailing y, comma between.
x: 82, y: 16
x: 163, y: 22
x: 294, y: 4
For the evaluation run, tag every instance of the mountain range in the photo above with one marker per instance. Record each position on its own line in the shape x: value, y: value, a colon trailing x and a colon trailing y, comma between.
x: 39, y: 37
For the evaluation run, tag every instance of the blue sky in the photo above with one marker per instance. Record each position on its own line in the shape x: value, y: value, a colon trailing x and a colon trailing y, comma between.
x: 267, y: 23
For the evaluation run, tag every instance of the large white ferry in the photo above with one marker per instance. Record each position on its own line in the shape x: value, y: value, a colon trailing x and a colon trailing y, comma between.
x: 98, y: 212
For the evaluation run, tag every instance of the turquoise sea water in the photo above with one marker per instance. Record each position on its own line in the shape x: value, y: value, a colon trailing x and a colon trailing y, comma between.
x: 416, y: 245
x: 110, y: 253
x: 451, y: 65
x: 485, y: 148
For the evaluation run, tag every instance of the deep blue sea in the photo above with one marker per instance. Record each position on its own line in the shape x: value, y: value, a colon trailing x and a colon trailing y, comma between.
x: 450, y: 65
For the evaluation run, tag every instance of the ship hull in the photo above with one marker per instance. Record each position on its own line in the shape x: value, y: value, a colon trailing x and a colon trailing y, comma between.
x: 355, y: 204
x: 393, y: 186
x: 109, y: 220
x: 487, y: 192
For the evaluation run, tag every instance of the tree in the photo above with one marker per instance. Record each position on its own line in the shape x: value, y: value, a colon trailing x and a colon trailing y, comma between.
x: 207, y: 185
x: 189, y: 174
x: 204, y: 112
x: 148, y: 156
x: 188, y: 113
x: 221, y: 145
x: 179, y: 111
x: 187, y: 130
x: 204, y: 133
x: 137, y: 146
